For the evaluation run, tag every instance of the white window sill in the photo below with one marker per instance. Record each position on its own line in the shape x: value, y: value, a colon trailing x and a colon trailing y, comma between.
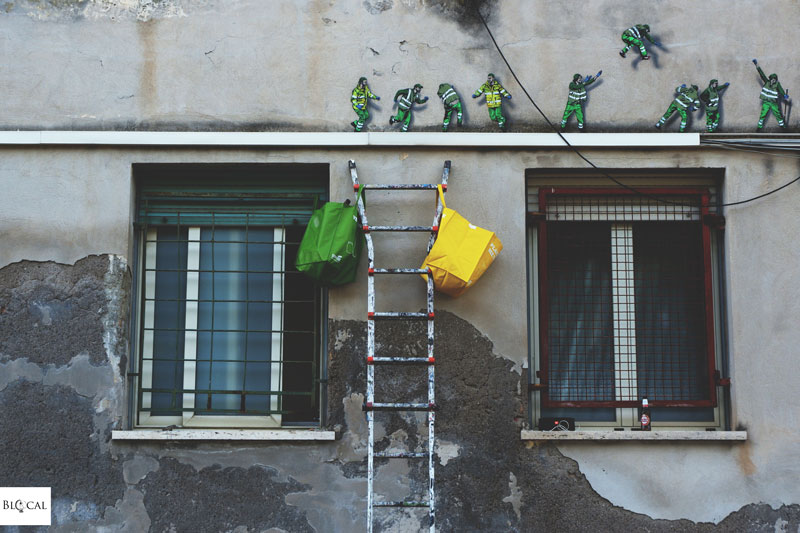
x: 606, y: 435
x: 224, y: 434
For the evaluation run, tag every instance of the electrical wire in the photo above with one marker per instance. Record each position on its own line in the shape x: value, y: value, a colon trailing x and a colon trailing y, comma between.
x: 590, y: 163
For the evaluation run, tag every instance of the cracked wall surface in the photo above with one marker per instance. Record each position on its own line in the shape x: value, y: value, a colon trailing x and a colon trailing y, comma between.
x: 211, y: 65
x: 60, y: 406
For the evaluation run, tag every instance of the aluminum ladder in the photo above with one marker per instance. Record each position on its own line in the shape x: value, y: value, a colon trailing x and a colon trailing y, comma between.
x: 370, y: 406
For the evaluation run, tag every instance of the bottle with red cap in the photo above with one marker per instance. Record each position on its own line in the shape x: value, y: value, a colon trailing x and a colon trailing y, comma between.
x: 645, y: 416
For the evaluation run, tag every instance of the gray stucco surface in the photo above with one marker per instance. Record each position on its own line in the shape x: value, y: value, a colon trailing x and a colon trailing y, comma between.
x: 67, y: 238
x: 49, y: 314
x: 489, y: 480
x: 246, y: 65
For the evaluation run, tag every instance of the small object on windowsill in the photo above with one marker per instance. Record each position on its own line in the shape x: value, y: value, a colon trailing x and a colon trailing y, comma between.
x: 556, y: 424
x: 645, y: 415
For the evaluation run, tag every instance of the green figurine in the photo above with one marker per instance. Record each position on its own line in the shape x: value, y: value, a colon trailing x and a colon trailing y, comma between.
x: 359, y: 100
x: 406, y: 98
x: 770, y: 94
x: 710, y: 97
x: 494, y: 94
x: 687, y: 96
x: 451, y: 103
x: 634, y: 37
x: 577, y: 94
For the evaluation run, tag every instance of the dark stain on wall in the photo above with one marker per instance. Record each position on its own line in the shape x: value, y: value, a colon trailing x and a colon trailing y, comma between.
x: 50, y: 312
x: 180, y: 498
x: 465, y: 12
x: 481, y: 409
x: 52, y: 436
x: 48, y: 439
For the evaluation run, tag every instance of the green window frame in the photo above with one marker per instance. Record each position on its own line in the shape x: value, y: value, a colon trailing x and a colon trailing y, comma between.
x: 229, y: 334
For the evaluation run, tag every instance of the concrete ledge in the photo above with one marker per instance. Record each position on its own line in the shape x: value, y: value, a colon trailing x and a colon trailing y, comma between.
x: 224, y: 434
x: 634, y: 435
x: 337, y: 139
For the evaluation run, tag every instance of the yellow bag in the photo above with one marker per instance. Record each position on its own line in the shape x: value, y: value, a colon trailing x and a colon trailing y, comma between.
x: 461, y: 254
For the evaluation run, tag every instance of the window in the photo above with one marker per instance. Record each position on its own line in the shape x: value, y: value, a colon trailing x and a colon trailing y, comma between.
x: 623, y: 287
x: 229, y: 332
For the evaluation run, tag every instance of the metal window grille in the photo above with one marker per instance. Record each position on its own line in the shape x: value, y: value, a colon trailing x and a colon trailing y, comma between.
x: 625, y: 299
x: 228, y: 327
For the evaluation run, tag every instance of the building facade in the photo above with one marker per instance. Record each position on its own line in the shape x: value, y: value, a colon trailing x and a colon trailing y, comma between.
x: 164, y: 367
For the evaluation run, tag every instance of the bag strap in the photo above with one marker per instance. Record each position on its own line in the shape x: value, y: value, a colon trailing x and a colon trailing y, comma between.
x: 360, y: 196
x: 441, y: 194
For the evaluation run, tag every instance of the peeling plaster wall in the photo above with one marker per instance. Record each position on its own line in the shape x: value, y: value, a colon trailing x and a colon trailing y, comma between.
x: 254, y: 65
x: 63, y: 351
x: 250, y: 65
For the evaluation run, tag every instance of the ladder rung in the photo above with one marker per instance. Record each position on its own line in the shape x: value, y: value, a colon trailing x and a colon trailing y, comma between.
x: 399, y: 271
x: 401, y: 360
x: 402, y: 504
x: 411, y: 186
x: 390, y: 315
x: 400, y: 228
x: 400, y: 455
x: 399, y: 406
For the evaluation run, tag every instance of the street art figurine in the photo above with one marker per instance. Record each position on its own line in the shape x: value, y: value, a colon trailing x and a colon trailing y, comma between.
x: 577, y: 94
x: 710, y: 97
x: 359, y: 99
x: 406, y: 98
x: 451, y: 103
x: 770, y: 94
x: 494, y: 92
x: 687, y: 96
x: 634, y: 37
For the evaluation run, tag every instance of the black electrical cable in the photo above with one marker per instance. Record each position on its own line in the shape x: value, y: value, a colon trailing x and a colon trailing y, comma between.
x: 579, y: 154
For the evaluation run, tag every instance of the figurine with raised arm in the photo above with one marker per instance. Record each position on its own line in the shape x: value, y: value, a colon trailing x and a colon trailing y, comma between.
x: 687, y: 99
x: 406, y: 98
x: 634, y: 37
x: 494, y: 95
x: 451, y: 103
x: 359, y: 99
x: 710, y: 97
x: 771, y: 93
x: 577, y: 95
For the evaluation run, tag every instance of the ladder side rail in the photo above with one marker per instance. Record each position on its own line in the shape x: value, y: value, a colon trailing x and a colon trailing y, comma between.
x: 431, y: 403
x: 370, y: 347
x: 439, y: 205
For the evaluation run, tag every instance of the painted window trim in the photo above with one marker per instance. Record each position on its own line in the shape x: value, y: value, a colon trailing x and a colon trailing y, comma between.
x: 188, y: 418
x: 625, y: 416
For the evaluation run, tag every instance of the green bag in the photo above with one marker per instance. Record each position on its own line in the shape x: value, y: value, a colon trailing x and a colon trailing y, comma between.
x: 331, y: 245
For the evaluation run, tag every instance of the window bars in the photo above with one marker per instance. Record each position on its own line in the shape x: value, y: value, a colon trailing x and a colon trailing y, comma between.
x: 227, y: 325
x: 626, y: 306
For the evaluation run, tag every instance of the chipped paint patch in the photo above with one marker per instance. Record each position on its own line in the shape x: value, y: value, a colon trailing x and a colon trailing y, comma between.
x: 446, y: 451
x: 141, y: 10
x: 342, y: 336
x: 376, y: 7
x: 19, y: 369
x: 515, y: 496
x: 353, y: 445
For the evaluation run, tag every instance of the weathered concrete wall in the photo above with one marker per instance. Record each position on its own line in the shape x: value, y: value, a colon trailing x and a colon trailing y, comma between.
x: 290, y: 65
x: 63, y: 332
x: 191, y: 65
x: 58, y: 412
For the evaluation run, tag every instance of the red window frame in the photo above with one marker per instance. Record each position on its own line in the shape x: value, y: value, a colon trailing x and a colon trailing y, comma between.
x: 703, y: 194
